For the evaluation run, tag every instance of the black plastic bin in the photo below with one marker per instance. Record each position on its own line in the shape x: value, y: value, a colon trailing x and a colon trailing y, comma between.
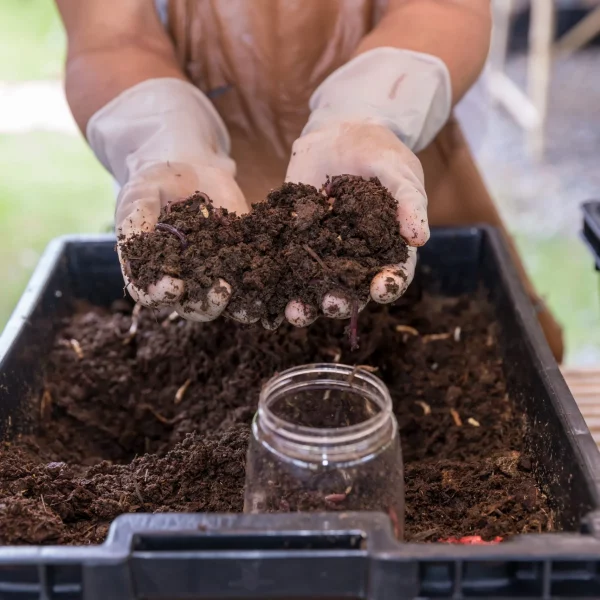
x: 341, y: 555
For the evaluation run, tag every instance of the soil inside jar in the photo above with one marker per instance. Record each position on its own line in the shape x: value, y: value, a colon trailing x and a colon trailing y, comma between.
x: 144, y: 412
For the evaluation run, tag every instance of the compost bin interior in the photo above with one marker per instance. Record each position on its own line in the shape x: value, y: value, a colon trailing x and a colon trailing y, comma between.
x: 106, y: 411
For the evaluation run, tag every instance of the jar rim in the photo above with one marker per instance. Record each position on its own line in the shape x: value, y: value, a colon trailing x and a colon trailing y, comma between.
x: 322, y: 436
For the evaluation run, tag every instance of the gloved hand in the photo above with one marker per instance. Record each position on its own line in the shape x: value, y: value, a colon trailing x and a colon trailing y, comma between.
x: 367, y: 119
x: 163, y: 140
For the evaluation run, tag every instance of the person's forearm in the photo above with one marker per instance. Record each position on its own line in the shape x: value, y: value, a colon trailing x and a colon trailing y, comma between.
x: 456, y: 31
x: 113, y: 45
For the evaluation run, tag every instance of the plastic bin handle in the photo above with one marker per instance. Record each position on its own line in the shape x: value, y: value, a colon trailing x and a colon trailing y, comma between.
x: 253, y: 564
x: 591, y: 228
x: 204, y: 556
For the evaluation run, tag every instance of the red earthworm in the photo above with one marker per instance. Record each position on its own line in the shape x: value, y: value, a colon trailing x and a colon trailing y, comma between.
x: 174, y: 231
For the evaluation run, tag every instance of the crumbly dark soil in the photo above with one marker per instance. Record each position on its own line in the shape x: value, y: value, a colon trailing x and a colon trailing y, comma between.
x: 118, y: 430
x: 298, y: 244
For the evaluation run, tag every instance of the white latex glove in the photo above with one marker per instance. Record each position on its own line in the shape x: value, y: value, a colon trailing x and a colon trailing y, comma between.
x: 368, y: 118
x: 163, y: 140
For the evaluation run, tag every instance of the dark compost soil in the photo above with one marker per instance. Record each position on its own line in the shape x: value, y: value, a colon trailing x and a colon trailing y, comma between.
x: 298, y: 244
x: 148, y: 412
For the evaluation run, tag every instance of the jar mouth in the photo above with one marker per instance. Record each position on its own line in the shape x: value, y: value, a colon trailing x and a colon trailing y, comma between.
x: 331, y: 376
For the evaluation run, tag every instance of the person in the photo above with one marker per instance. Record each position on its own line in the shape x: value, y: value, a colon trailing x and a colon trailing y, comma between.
x: 232, y: 97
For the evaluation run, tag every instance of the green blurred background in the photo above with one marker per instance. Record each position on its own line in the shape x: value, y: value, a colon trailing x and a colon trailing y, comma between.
x: 51, y: 184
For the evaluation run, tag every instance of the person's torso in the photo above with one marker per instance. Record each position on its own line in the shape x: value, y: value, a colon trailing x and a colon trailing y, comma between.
x: 259, y: 62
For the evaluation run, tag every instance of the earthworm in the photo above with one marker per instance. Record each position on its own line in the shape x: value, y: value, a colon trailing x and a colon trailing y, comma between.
x: 204, y: 197
x: 170, y: 229
x: 314, y: 255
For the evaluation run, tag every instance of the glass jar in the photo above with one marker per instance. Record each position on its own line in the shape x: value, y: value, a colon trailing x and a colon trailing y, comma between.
x: 325, y: 439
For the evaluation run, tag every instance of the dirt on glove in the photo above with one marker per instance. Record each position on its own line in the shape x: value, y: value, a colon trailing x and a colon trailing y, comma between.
x: 298, y: 244
x: 145, y: 412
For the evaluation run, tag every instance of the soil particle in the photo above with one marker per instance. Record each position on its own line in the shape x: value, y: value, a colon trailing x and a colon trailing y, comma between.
x: 298, y: 244
x: 116, y: 435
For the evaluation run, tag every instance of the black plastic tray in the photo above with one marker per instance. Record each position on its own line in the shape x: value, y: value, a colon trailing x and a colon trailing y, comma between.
x: 348, y: 555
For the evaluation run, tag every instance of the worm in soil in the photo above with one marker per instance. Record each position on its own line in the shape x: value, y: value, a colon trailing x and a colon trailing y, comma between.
x: 170, y: 229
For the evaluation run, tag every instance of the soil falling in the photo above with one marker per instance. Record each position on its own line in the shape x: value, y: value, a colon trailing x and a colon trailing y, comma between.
x: 144, y: 412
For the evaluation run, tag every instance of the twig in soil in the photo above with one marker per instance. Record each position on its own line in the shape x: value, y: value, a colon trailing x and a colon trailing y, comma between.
x: 495, y: 508
x: 170, y: 229
x: 135, y: 315
x: 426, y: 408
x: 357, y: 368
x: 457, y: 332
x: 182, y: 390
x: 335, y: 352
x: 474, y: 422
x: 353, y: 330
x: 138, y: 493
x: 367, y: 368
x: 423, y: 535
x: 434, y: 337
x: 156, y: 414
x: 406, y: 329
x: 315, y: 256
x: 76, y: 348
x: 89, y: 529
x: 45, y: 405
x: 456, y: 417
x: 172, y: 317
x: 43, y: 503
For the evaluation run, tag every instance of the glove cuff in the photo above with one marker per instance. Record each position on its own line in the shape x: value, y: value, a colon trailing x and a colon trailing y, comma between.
x: 157, y: 121
x: 408, y: 92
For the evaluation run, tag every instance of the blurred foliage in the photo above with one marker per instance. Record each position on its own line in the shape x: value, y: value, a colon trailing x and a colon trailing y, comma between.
x: 32, y: 40
x: 562, y: 270
x: 50, y: 185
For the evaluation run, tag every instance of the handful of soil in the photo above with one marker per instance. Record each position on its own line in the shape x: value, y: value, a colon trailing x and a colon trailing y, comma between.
x: 298, y: 244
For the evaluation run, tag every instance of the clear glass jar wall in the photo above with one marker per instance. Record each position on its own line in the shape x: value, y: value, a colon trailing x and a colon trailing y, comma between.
x: 325, y: 439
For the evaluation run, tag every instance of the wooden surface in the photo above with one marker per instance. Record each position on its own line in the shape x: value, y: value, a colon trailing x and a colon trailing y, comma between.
x: 585, y: 387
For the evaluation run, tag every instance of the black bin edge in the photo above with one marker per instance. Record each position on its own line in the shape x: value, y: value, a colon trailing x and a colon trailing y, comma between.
x: 330, y: 555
